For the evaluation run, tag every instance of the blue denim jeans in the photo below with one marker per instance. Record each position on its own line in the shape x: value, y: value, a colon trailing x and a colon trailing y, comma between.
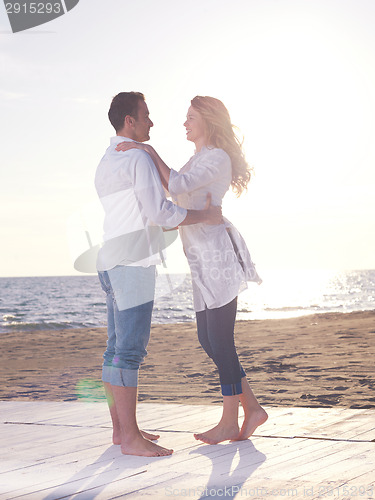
x: 130, y: 299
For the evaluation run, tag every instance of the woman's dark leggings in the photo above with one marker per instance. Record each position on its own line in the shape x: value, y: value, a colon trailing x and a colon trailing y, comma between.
x: 216, y: 336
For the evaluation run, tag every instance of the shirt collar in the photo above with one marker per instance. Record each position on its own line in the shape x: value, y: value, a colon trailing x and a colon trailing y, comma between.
x: 203, y: 149
x: 119, y: 138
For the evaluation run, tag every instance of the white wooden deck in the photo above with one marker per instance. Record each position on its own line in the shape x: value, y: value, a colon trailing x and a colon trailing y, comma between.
x: 53, y: 450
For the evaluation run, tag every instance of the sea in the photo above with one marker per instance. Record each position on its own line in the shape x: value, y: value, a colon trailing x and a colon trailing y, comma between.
x: 55, y: 303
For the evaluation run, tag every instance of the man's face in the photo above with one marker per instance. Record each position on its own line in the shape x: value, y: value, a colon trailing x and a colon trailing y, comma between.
x: 142, y: 123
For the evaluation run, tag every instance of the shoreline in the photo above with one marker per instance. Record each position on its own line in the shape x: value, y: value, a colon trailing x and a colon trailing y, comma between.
x: 317, y: 360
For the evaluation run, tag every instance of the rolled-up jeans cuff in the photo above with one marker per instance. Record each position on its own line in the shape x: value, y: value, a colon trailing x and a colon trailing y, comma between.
x: 124, y: 377
x: 231, y: 389
x: 106, y: 373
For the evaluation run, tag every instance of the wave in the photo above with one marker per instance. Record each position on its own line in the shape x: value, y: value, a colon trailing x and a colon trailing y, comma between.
x: 293, y: 308
x: 29, y: 327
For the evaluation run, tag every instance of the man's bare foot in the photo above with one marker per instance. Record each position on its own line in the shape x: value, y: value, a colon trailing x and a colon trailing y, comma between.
x: 143, y: 448
x: 151, y: 437
x: 251, y: 422
x: 219, y: 433
x: 116, y: 437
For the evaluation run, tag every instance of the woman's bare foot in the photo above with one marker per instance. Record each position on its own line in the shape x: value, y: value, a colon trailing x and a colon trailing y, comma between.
x: 116, y: 437
x: 143, y: 448
x: 219, y: 433
x: 251, y: 422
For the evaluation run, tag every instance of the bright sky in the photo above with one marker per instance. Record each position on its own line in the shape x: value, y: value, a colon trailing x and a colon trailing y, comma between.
x: 298, y: 78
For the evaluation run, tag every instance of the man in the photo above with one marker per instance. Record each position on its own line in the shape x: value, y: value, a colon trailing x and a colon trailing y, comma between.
x: 135, y: 205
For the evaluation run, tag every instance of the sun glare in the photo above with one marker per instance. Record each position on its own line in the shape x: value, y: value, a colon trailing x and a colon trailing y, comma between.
x: 290, y: 293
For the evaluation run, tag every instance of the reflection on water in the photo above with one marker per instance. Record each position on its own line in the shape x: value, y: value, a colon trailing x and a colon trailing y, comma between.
x: 296, y: 293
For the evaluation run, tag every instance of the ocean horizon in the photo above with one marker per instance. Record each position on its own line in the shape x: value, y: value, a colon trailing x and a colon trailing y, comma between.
x: 59, y: 302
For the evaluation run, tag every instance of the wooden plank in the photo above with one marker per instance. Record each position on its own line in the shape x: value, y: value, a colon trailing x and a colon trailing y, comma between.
x: 163, y: 478
x: 129, y: 486
x: 79, y: 482
x: 68, y: 452
x: 59, y: 439
x: 343, y: 464
x: 26, y: 409
x: 92, y: 414
x: 76, y: 484
x: 342, y: 490
x: 317, y: 465
x: 186, y: 418
x: 159, y: 469
x: 71, y: 477
x: 104, y: 454
x: 282, y: 489
x: 106, y: 460
x: 304, y: 422
x: 347, y: 425
x: 284, y: 454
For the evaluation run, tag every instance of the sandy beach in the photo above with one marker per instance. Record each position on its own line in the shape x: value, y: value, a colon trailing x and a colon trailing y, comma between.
x: 322, y: 360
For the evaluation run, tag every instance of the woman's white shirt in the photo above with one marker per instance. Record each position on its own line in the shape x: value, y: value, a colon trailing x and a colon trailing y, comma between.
x: 217, y: 274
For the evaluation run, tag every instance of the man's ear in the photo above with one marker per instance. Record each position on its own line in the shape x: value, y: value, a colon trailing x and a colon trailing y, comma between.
x: 129, y: 121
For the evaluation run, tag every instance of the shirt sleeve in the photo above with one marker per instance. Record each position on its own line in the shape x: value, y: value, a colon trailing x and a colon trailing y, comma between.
x: 210, y: 166
x: 150, y: 193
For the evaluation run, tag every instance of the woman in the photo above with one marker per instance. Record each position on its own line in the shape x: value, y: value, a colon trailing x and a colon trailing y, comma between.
x: 219, y: 261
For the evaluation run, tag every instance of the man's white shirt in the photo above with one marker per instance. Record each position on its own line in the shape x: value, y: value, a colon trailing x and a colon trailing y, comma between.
x: 135, y: 205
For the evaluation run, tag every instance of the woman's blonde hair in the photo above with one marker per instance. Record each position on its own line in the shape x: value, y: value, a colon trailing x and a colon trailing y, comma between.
x: 220, y: 134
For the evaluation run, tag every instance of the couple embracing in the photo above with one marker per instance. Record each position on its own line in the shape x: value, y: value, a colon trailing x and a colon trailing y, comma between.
x: 129, y: 181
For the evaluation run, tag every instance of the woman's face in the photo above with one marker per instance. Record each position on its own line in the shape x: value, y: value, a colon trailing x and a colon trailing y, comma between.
x: 195, y: 130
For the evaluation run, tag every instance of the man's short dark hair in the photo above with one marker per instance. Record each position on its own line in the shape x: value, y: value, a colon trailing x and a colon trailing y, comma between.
x: 123, y: 104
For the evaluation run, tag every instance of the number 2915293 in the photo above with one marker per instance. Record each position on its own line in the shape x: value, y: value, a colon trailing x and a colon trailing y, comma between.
x: 33, y: 8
